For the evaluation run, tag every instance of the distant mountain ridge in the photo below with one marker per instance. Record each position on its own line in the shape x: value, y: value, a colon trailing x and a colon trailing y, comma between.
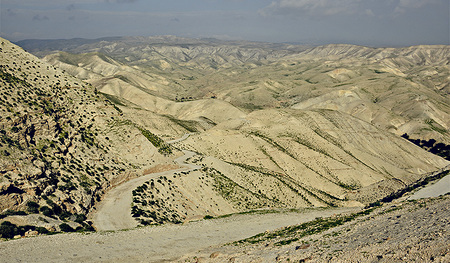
x: 81, y: 45
x: 255, y: 75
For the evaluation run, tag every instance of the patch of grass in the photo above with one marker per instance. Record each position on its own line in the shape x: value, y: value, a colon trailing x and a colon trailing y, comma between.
x: 159, y: 143
x: 348, y: 186
x: 12, y: 79
x: 342, y: 84
x: 432, y: 125
x: 291, y: 234
x: 287, y: 181
x: 235, y: 193
x: 272, y: 142
x: 265, y: 211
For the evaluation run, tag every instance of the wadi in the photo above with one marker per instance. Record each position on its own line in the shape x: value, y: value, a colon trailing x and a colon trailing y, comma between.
x: 227, y: 140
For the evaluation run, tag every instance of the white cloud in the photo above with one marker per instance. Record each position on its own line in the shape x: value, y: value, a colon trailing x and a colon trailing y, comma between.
x: 404, y: 5
x: 312, y: 7
x: 317, y: 8
x: 120, y: 1
x: 40, y: 18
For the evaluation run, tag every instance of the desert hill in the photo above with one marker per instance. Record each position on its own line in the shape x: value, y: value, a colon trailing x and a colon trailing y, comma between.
x: 271, y: 125
x: 62, y: 143
x: 402, y: 90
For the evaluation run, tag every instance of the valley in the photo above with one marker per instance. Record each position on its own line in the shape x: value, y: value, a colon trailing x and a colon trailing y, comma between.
x: 199, y: 136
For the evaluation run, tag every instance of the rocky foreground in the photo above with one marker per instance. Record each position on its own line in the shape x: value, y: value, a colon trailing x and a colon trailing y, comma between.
x: 402, y: 231
x: 405, y: 231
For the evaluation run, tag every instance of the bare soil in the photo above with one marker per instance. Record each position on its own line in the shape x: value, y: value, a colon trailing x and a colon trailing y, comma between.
x: 151, y: 244
x: 408, y: 231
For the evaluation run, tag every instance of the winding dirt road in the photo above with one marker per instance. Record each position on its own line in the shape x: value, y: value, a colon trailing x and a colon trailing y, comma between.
x: 114, y: 211
x: 163, y: 243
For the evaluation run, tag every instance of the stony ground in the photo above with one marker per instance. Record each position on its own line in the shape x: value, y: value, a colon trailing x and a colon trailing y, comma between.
x: 151, y: 244
x: 405, y: 231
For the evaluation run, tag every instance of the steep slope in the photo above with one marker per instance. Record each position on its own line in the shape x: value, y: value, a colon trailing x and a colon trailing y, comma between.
x: 316, y: 158
x: 276, y: 125
x: 62, y: 143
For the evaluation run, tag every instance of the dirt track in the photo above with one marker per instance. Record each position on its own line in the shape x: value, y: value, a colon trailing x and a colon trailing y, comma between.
x: 151, y: 244
x: 114, y: 211
x: 439, y: 188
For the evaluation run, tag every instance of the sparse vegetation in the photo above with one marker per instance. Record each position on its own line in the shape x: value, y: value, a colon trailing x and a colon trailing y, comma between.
x: 315, y: 127
x: 66, y: 228
x: 291, y: 234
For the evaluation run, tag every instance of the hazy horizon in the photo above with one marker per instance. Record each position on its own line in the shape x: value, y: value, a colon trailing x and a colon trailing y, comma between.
x: 311, y: 22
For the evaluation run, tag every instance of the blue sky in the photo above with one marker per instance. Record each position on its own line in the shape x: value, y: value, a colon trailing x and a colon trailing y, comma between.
x: 362, y: 22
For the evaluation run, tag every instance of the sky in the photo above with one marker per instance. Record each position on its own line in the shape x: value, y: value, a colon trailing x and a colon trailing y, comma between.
x: 360, y: 22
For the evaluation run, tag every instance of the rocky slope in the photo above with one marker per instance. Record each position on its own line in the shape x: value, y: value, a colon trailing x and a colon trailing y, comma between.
x: 415, y: 231
x: 276, y: 125
x: 62, y: 143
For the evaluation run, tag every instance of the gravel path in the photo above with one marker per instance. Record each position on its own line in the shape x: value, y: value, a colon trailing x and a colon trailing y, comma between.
x: 416, y: 231
x: 439, y: 188
x: 114, y: 211
x: 151, y: 244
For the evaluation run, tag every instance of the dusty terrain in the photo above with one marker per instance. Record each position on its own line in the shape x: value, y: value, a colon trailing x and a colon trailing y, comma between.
x: 150, y: 244
x: 114, y: 210
x: 275, y: 125
x: 416, y: 231
x: 273, y: 135
x: 402, y: 231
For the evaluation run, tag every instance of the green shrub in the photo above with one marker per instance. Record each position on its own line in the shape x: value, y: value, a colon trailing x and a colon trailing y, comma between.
x: 12, y: 213
x: 33, y: 207
x: 64, y: 215
x: 42, y: 230
x: 47, y: 211
x: 87, y: 227
x: 80, y: 218
x: 66, y: 228
x: 8, y: 230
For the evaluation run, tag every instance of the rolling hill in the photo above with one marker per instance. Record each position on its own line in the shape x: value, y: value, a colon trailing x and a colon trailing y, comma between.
x: 271, y: 125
